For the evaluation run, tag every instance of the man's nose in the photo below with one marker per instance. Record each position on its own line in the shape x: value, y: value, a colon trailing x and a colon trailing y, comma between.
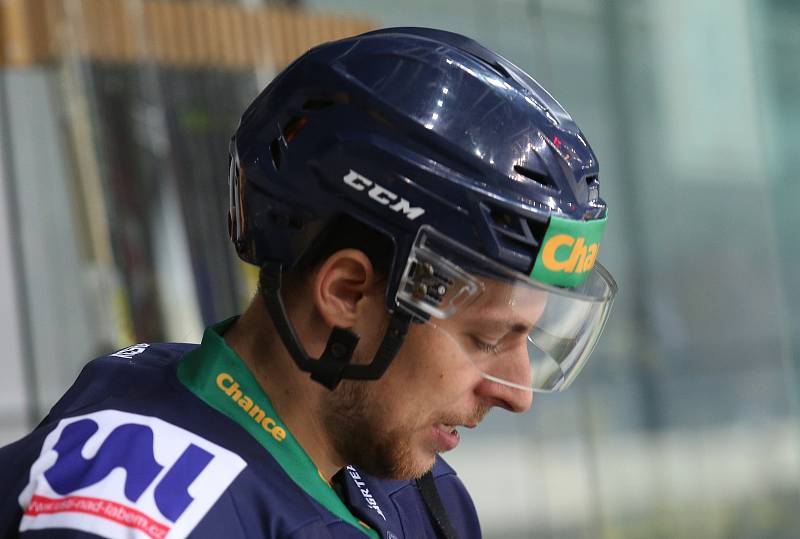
x: 496, y: 393
x: 512, y: 367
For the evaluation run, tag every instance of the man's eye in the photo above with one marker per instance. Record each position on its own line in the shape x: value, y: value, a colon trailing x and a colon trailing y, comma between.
x: 487, y: 347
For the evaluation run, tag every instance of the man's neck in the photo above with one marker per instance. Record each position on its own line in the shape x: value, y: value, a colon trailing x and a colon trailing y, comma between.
x: 295, y: 397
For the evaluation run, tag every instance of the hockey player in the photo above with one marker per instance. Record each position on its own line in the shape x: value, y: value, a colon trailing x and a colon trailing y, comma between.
x: 427, y: 221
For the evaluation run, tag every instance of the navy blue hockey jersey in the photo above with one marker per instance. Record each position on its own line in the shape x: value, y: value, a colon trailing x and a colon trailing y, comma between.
x: 175, y: 440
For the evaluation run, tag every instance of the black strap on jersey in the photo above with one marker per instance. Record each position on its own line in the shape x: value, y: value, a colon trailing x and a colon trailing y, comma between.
x: 334, y: 364
x: 427, y: 487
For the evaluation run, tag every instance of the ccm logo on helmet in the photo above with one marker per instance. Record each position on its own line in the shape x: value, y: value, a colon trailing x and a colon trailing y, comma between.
x: 581, y: 257
x: 382, y: 195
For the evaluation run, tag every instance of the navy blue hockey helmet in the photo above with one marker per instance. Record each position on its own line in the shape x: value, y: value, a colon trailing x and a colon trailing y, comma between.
x: 481, y: 180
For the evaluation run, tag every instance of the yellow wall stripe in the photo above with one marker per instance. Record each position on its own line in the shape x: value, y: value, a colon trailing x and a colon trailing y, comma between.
x: 188, y: 34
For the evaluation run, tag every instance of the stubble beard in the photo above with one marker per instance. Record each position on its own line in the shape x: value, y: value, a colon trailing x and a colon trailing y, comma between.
x: 356, y: 425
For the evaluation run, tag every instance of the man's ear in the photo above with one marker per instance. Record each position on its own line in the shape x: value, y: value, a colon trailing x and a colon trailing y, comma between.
x: 339, y: 284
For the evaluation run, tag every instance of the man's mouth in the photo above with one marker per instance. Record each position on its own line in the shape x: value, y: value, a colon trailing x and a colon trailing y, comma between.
x: 447, y: 428
x: 447, y: 436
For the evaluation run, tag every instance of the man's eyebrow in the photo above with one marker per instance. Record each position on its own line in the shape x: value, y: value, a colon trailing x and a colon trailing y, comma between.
x: 518, y: 327
x: 511, y: 326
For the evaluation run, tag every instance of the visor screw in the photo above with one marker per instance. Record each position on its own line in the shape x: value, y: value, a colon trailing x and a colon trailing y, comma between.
x: 338, y: 350
x: 441, y: 290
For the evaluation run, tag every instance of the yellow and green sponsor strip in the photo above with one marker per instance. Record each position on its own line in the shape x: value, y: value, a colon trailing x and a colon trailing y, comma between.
x: 568, y: 252
x: 216, y: 374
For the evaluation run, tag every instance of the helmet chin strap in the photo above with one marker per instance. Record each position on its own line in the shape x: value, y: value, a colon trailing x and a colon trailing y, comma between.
x: 334, y: 364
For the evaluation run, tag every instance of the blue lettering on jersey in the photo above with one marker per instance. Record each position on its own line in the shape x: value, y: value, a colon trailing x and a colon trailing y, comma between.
x: 129, y: 447
x: 171, y: 495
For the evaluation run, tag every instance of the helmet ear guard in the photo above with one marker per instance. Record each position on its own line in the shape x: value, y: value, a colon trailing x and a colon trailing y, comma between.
x: 335, y: 362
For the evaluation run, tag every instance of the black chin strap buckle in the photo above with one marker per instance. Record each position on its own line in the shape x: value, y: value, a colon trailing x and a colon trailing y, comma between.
x: 334, y: 360
x: 334, y: 365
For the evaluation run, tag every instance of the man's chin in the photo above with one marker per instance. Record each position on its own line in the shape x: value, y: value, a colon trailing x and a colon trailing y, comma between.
x: 414, y: 467
x: 402, y: 467
x: 414, y: 472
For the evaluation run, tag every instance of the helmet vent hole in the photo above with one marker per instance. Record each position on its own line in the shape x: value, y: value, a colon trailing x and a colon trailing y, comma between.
x: 506, y: 220
x: 541, y: 179
x: 594, y: 188
x: 525, y: 231
x: 317, y: 104
x: 293, y: 127
x: 500, y: 69
x: 275, y: 151
x: 493, y: 64
x: 518, y: 236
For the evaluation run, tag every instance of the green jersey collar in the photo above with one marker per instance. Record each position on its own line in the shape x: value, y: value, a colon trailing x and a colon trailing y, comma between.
x: 216, y: 374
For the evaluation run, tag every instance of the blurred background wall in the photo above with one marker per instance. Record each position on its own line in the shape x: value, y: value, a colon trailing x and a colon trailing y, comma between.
x: 114, y: 122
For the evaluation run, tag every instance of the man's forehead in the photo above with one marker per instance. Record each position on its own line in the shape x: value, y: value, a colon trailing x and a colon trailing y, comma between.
x: 509, y: 302
x: 503, y: 292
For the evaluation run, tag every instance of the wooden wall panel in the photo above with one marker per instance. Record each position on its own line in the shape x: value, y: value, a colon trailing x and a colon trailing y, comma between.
x: 24, y: 35
x: 198, y: 34
x: 202, y: 24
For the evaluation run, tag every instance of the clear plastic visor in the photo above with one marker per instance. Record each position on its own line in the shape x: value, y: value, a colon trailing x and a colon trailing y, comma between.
x: 514, y: 330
